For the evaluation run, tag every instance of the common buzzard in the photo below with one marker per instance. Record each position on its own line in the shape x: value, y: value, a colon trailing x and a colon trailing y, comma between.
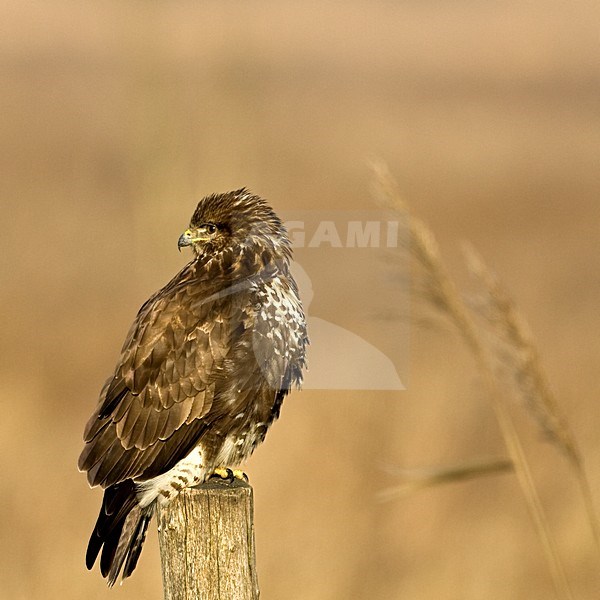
x: 202, y: 373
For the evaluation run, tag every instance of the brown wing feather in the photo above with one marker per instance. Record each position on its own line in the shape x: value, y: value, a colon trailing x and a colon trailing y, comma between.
x: 154, y: 410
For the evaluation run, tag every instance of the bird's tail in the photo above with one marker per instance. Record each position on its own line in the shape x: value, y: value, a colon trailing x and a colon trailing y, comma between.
x: 120, y: 532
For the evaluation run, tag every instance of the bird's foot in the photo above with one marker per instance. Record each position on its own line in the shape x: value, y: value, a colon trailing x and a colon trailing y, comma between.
x: 229, y: 475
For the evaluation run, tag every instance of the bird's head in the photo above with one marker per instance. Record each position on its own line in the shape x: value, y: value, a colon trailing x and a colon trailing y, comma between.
x: 239, y: 226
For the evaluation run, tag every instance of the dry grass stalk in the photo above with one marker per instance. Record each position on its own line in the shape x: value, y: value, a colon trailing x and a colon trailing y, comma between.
x: 516, y: 355
x: 446, y: 297
x: 418, y: 479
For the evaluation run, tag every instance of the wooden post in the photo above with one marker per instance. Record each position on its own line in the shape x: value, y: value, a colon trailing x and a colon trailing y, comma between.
x: 206, y: 538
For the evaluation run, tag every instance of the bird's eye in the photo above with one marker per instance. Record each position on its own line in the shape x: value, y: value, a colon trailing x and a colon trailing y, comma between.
x: 210, y: 228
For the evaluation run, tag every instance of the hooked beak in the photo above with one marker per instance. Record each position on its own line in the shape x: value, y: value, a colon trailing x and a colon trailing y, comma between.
x: 185, y: 239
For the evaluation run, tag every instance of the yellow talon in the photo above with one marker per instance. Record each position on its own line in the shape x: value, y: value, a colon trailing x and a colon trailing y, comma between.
x: 222, y: 472
x: 229, y: 474
x: 239, y: 474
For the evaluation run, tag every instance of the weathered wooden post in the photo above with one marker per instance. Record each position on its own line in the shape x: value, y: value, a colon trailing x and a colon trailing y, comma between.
x: 206, y: 538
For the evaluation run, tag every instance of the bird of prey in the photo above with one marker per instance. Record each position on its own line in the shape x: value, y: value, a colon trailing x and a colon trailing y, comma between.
x: 202, y: 373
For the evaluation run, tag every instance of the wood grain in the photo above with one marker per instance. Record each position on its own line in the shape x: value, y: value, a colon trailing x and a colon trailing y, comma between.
x: 206, y: 537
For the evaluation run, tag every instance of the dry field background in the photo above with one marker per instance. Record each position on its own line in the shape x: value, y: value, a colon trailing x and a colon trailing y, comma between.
x: 117, y: 117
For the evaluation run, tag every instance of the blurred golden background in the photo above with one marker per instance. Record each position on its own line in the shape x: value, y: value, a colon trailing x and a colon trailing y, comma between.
x: 118, y: 116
